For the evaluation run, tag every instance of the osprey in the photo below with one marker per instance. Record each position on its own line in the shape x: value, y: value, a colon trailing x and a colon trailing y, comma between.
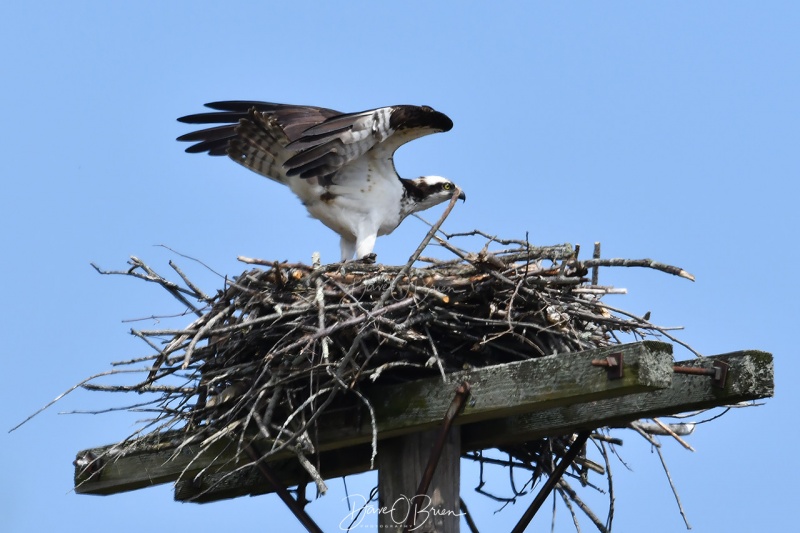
x: 339, y: 164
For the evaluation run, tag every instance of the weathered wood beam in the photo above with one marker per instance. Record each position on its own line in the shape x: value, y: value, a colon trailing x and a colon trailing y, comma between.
x: 750, y: 377
x: 497, y: 391
x: 248, y: 482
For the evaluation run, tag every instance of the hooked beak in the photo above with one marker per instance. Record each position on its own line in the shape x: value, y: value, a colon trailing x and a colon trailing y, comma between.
x: 462, y: 196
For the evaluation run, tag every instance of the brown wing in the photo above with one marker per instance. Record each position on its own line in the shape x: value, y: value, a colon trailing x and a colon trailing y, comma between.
x: 280, y: 140
x: 325, y: 148
x: 254, y: 134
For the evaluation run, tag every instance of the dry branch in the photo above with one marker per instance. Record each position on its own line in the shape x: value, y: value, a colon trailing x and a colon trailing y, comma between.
x: 273, y: 350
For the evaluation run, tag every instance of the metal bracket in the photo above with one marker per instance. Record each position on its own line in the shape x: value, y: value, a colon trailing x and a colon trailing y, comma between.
x: 720, y: 374
x: 613, y: 364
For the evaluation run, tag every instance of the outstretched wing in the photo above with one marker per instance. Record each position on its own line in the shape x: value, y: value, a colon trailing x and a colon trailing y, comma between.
x: 254, y: 134
x: 323, y: 149
x: 281, y: 141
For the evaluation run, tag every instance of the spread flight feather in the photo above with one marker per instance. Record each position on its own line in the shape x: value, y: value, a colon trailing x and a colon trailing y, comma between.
x: 340, y: 165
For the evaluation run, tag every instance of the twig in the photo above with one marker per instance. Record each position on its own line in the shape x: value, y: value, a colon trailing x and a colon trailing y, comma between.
x: 674, y: 490
x: 76, y: 386
x: 187, y: 358
x: 467, y: 516
x: 564, y: 486
x: 202, y: 296
x: 596, y: 268
x: 435, y: 355
x: 648, y: 263
x: 153, y: 277
x: 189, y: 257
x: 320, y: 300
x: 418, y: 251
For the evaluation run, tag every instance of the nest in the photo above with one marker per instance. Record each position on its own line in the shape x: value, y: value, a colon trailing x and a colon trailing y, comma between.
x: 269, y: 353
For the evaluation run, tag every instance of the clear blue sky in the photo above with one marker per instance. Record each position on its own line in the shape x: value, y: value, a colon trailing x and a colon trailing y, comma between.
x: 665, y: 131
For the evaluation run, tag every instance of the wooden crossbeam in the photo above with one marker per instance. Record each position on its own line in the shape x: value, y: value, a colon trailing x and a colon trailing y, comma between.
x: 500, y: 391
x: 750, y: 377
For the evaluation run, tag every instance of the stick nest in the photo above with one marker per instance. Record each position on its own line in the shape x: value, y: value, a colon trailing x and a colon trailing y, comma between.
x: 268, y: 354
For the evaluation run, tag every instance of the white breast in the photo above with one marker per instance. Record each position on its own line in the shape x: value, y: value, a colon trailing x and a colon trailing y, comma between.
x: 364, y: 199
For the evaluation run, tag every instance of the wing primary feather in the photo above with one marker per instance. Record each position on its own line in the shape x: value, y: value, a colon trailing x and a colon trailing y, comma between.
x: 212, y: 147
x: 218, y: 150
x: 209, y: 134
x: 222, y: 117
x: 243, y: 106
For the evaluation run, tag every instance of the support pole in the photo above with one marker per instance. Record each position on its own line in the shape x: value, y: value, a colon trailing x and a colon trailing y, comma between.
x: 401, y: 465
x: 434, y: 504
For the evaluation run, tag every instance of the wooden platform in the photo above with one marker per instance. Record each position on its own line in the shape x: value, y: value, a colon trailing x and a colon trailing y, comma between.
x: 509, y: 403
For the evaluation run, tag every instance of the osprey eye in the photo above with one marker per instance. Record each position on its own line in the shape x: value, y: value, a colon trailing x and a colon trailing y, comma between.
x: 447, y: 186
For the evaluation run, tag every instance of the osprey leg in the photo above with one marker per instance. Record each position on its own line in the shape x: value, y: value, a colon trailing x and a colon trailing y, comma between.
x: 348, y: 248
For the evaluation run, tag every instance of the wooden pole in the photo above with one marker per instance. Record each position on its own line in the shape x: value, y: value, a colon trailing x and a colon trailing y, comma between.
x: 401, y: 465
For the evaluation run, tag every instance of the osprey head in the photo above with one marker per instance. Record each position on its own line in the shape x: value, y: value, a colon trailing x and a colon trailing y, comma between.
x: 428, y: 191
